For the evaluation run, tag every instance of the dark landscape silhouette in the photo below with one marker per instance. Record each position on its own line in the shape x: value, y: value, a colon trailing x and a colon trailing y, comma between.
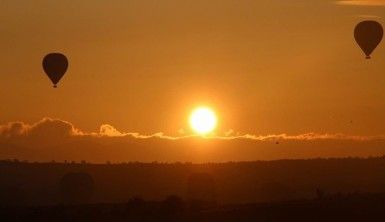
x: 285, y: 190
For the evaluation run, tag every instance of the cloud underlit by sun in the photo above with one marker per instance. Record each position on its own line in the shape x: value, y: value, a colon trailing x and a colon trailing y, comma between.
x: 203, y: 120
x: 362, y: 2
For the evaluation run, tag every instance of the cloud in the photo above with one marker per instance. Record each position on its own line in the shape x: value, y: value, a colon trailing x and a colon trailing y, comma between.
x: 52, y: 128
x: 229, y: 132
x: 56, y: 128
x: 13, y: 129
x: 369, y: 16
x: 362, y: 2
x: 54, y: 139
x: 45, y: 132
x: 46, y: 127
x: 108, y: 130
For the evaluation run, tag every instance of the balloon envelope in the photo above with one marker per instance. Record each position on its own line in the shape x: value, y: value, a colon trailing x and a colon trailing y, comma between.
x: 368, y: 35
x: 55, y: 66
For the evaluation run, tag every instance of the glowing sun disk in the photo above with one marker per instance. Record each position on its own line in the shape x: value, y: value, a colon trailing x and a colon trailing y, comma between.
x: 203, y: 120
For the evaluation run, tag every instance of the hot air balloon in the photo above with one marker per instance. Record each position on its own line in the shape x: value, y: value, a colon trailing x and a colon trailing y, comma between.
x: 55, y: 66
x: 368, y: 35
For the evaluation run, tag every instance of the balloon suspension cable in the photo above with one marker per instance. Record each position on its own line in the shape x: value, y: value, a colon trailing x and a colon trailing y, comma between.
x: 368, y: 57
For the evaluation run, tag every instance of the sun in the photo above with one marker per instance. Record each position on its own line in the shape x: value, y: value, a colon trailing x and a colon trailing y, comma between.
x: 203, y: 120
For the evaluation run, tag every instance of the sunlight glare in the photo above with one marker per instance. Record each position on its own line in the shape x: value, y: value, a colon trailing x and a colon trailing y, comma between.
x: 203, y: 120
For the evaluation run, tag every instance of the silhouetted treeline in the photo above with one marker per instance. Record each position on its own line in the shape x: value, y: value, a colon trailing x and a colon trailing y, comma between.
x: 23, y: 183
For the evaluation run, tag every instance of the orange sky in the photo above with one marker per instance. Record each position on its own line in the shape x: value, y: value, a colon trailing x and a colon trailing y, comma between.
x: 266, y: 67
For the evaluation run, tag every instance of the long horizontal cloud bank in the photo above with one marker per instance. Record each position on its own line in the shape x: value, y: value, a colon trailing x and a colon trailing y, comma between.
x: 53, y: 139
x: 362, y: 2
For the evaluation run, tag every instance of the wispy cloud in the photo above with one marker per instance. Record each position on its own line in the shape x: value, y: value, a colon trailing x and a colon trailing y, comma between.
x: 369, y: 16
x: 56, y: 128
x: 362, y: 2
x: 46, y: 126
x: 54, y: 139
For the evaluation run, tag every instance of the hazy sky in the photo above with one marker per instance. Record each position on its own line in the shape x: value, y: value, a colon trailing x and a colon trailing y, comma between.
x: 266, y: 67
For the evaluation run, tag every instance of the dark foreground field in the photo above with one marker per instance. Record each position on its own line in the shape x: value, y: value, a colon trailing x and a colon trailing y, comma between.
x: 368, y: 207
x: 350, y: 189
x: 43, y: 184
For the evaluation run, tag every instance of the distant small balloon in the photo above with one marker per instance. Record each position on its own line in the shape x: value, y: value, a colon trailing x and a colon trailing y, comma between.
x: 55, y: 66
x: 368, y: 35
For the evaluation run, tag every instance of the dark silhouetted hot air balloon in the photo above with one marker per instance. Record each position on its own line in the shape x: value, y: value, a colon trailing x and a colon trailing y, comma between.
x: 368, y: 35
x: 55, y: 66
